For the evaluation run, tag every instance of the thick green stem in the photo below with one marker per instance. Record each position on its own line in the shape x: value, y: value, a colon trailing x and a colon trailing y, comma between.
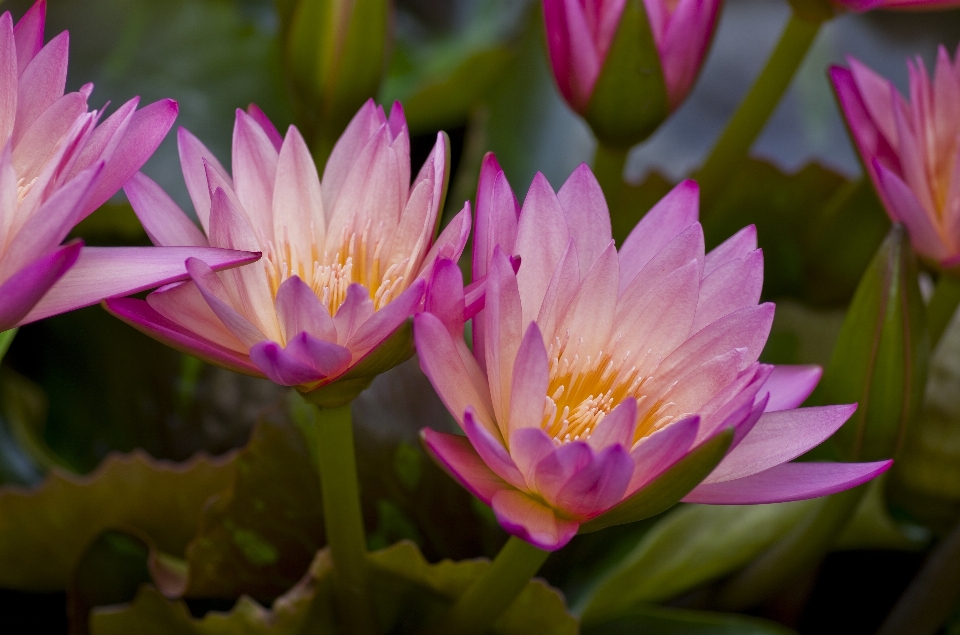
x: 751, y: 116
x: 943, y: 304
x: 799, y: 550
x: 608, y: 168
x: 343, y: 519
x: 932, y: 595
x: 493, y: 592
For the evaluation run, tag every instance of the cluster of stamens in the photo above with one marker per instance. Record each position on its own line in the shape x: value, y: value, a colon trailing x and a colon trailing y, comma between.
x: 357, y: 259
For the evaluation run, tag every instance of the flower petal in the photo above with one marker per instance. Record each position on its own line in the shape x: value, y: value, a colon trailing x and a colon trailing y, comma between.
x: 491, y: 450
x: 789, y: 386
x: 531, y: 377
x: 29, y: 34
x: 732, y: 287
x: 588, y: 218
x: 297, y: 204
x: 527, y: 519
x: 216, y: 295
x: 20, y: 293
x: 445, y: 298
x: 458, y: 458
x: 617, y: 427
x: 733, y: 248
x: 381, y: 324
x: 280, y: 366
x: 254, y: 170
x: 299, y: 309
x: 41, y: 83
x: 194, y: 159
x: 660, y: 450
x: 162, y: 219
x: 502, y: 324
x: 599, y: 486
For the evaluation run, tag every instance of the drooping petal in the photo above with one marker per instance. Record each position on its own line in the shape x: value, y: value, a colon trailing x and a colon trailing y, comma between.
x: 525, y: 518
x: 458, y: 458
x: 788, y: 482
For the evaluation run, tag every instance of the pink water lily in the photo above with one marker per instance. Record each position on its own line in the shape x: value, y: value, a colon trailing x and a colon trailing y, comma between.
x: 56, y: 166
x: 911, y: 149
x: 598, y: 377
x: 346, y: 260
x: 581, y: 32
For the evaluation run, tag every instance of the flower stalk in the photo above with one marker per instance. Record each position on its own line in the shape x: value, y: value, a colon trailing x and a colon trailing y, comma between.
x: 943, y: 304
x: 608, y: 164
x: 342, y: 517
x: 493, y: 592
x: 751, y: 116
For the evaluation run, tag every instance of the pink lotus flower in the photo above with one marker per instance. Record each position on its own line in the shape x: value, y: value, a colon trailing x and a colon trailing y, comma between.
x: 911, y: 150
x: 56, y: 166
x: 346, y: 260
x: 595, y: 374
x: 581, y: 32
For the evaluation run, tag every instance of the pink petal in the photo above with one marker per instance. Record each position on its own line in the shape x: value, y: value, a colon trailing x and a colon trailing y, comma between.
x: 29, y: 34
x: 264, y: 122
x: 280, y: 367
x: 617, y: 427
x: 24, y: 289
x: 675, y: 212
x: 734, y: 286
x: 347, y: 149
x: 531, y: 377
x: 654, y: 454
x: 733, y: 248
x: 558, y: 44
x: 497, y: 213
x: 451, y: 242
x: 529, y: 446
x: 184, y: 305
x: 458, y: 458
x: 39, y: 142
x: 684, y: 45
x: 254, y: 170
x: 557, y: 468
x: 697, y: 388
x: 384, y: 322
x: 591, y: 311
x: 905, y: 206
x: 8, y: 77
x: 503, y: 332
x: 875, y: 93
x: 779, y: 437
x: 356, y: 309
x: 162, y: 219
x: 299, y: 309
x: 328, y: 358
x: 445, y: 298
x: 142, y: 317
x: 788, y: 482
x: 584, y: 59
x: 108, y: 272
x: 215, y: 293
x: 491, y: 450
x: 599, y: 486
x: 563, y: 286
x: 106, y: 137
x: 542, y: 238
x: 419, y: 218
x: 41, y: 83
x: 527, y: 519
x: 193, y: 158
x: 588, y: 218
x: 452, y: 370
x: 789, y: 386
x: 297, y: 201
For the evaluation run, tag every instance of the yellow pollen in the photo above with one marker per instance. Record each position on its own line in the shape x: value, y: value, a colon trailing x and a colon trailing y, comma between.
x: 329, y: 274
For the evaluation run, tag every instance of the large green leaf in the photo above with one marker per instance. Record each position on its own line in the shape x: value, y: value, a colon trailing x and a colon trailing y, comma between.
x: 158, y: 498
x: 667, y: 621
x: 690, y: 547
x: 880, y: 360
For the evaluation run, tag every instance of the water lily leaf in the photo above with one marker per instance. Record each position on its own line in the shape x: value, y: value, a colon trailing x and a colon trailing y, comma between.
x: 259, y: 536
x: 669, y: 621
x: 692, y: 546
x: 304, y: 609
x: 408, y: 591
x: 159, y: 498
x: 880, y: 360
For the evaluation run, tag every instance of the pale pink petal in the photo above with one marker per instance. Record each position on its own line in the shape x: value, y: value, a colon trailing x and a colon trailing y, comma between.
x: 353, y: 313
x: 527, y: 519
x: 503, y: 330
x: 779, y: 437
x: 384, y: 322
x: 299, y: 309
x: 8, y: 195
x: 162, y: 219
x: 194, y: 156
x: 456, y: 378
x: 557, y: 468
x: 108, y: 272
x: 542, y: 238
x: 588, y: 218
x: 281, y: 367
x: 397, y: 123
x: 738, y: 405
x: 41, y: 83
x: 660, y: 450
x: 591, y: 311
x: 264, y: 122
x: 298, y: 218
x: 254, y: 170
x: 8, y: 78
x: 529, y: 446
x: 346, y: 151
x: 21, y: 292
x: 451, y: 242
x: 184, y: 305
x: 563, y: 285
x: 531, y: 377
x: 904, y: 204
x: 106, y: 137
x: 419, y: 218
x: 788, y: 482
x: 29, y: 34
x: 696, y: 389
x: 215, y: 293
x: 458, y: 458
x: 328, y: 358
x: 732, y: 287
x: 875, y: 93
x: 445, y: 297
x: 491, y: 450
x: 497, y: 214
x: 39, y: 142
x: 675, y: 212
x: 617, y: 427
x: 142, y: 317
x: 789, y: 386
x: 733, y: 248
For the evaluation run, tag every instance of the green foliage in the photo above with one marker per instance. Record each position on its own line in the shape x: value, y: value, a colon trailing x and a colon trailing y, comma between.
x: 667, y: 621
x: 159, y: 499
x: 629, y: 100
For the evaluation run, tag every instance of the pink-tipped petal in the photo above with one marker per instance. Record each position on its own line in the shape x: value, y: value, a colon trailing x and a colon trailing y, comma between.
x: 21, y: 292
x: 264, y: 122
x: 183, y: 304
x: 557, y: 468
x: 779, y: 437
x: 733, y: 248
x: 789, y: 386
x: 788, y: 482
x: 216, y: 295
x: 356, y: 309
x: 351, y: 143
x: 299, y: 309
x: 491, y: 450
x: 194, y: 156
x: 531, y: 378
x: 29, y: 34
x: 587, y: 215
x: 591, y: 311
x: 503, y: 334
x: 281, y: 367
x: 458, y: 458
x: 657, y: 452
x: 162, y: 219
x: 734, y: 286
x: 617, y: 427
x: 529, y: 446
x: 542, y: 238
x: 598, y: 487
x: 564, y: 284
x: 297, y: 206
x: 254, y: 171
x: 558, y: 44
x: 328, y: 358
x: 8, y: 78
x: 445, y: 297
x: 41, y: 83
x: 381, y: 324
x: 527, y: 519
x: 451, y: 241
x: 903, y: 202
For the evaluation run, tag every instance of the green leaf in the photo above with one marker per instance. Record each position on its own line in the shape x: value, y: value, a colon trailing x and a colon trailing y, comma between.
x: 669, y: 621
x: 690, y: 547
x: 667, y: 489
x: 259, y: 536
x: 6, y: 338
x: 880, y: 360
x: 408, y: 591
x: 304, y: 609
x: 629, y: 100
x: 158, y: 498
x: 872, y: 526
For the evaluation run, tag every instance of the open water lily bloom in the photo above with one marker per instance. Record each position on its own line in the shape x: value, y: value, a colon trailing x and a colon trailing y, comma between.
x: 56, y: 166
x: 597, y: 377
x: 911, y: 149
x: 581, y: 32
x: 346, y: 260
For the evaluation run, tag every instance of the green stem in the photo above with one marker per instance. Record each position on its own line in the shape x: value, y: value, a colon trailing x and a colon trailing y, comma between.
x: 342, y: 518
x: 608, y: 166
x: 493, y: 592
x: 943, y: 304
x: 799, y: 550
x: 6, y: 338
x: 751, y: 116
x: 932, y: 595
